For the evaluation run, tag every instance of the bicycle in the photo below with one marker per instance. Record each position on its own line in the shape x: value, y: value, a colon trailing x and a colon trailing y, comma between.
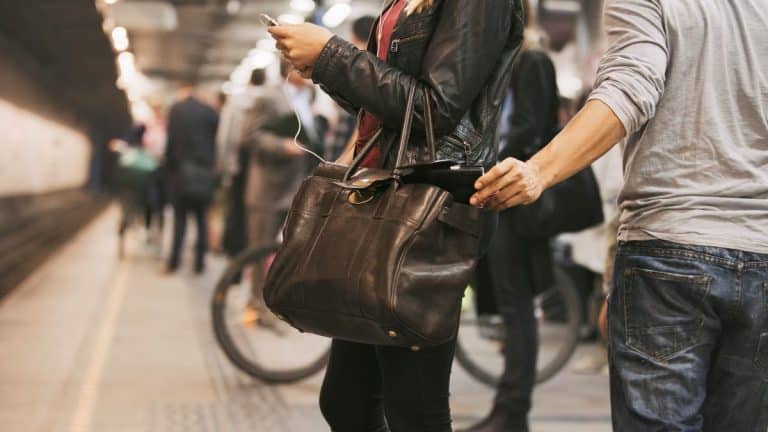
x: 558, y: 312
x: 243, y: 331
x: 478, y: 349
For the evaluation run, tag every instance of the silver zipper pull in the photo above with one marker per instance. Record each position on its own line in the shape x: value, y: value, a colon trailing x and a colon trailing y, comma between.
x: 394, y: 45
x: 467, y: 150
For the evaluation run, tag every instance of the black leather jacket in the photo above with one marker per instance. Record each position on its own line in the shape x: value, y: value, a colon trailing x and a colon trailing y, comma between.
x: 462, y: 50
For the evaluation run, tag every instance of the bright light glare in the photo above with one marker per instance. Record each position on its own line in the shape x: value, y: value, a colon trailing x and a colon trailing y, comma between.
x: 569, y: 85
x: 303, y: 5
x: 336, y: 15
x: 566, y: 6
x: 110, y: 2
x: 290, y: 19
x: 241, y: 75
x: 267, y: 44
x: 258, y: 59
x: 120, y: 39
x: 231, y: 88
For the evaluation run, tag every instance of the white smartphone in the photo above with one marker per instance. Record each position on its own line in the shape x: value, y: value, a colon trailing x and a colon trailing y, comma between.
x: 268, y: 20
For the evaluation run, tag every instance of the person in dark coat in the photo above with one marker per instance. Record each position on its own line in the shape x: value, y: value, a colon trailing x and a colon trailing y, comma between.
x: 190, y: 157
x: 515, y: 268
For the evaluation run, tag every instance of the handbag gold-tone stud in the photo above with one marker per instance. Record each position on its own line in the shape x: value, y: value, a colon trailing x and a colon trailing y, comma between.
x: 361, y: 197
x: 415, y: 348
x: 392, y: 334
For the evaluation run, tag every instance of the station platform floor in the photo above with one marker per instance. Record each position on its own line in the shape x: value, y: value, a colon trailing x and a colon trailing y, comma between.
x: 95, y: 343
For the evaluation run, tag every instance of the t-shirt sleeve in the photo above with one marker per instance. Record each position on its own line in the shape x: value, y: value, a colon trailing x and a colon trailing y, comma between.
x: 632, y: 72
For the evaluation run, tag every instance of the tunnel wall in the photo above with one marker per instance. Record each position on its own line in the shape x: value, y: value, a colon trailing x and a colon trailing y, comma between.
x: 44, y: 147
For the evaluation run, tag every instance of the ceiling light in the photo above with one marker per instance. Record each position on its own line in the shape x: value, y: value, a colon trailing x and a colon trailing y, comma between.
x: 127, y: 63
x: 336, y: 15
x: 303, y: 5
x: 233, y: 7
x: 290, y: 19
x: 120, y: 39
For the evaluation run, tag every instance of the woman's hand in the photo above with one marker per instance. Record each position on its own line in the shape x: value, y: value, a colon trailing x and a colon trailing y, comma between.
x: 301, y: 44
x: 510, y: 183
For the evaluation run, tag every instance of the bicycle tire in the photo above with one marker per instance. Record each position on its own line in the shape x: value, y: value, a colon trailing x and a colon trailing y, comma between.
x: 570, y: 296
x: 225, y: 340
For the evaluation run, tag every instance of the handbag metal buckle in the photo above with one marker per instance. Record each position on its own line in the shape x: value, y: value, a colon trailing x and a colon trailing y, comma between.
x: 360, y: 197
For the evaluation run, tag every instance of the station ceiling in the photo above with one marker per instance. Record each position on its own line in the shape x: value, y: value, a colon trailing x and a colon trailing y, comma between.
x: 62, y: 43
x: 209, y: 38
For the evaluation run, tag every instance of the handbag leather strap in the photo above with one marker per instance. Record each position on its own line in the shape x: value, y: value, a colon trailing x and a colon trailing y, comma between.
x: 410, y: 112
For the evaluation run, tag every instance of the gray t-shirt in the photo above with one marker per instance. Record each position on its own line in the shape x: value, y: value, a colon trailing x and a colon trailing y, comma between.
x: 689, y: 81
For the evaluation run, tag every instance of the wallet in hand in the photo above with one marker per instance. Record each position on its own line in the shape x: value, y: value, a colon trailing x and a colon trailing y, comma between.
x: 456, y: 178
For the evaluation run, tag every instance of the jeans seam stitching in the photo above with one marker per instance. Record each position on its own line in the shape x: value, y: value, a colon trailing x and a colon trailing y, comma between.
x: 765, y: 296
x: 672, y: 252
x: 762, y: 340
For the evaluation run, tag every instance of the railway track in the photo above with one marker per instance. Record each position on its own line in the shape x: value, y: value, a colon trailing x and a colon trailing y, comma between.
x: 33, y: 238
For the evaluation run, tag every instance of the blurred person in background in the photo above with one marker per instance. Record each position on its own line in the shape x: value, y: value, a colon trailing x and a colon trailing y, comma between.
x: 276, y: 163
x: 190, y: 160
x: 516, y: 269
x: 154, y: 142
x: 685, y: 82
x: 457, y: 55
x: 234, y: 159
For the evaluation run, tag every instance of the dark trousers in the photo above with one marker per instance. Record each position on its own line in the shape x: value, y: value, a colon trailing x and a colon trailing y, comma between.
x: 387, y: 389
x: 688, y: 332
x: 506, y: 269
x: 181, y: 210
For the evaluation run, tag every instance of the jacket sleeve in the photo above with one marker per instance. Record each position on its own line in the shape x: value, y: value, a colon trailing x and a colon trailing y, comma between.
x: 535, y: 96
x: 468, y: 40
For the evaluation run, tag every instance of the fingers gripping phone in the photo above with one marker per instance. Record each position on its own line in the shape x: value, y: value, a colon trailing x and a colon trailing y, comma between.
x: 268, y: 20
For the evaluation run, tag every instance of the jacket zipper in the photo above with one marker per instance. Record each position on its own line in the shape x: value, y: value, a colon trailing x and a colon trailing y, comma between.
x: 464, y: 144
x: 467, y: 150
x: 394, y: 46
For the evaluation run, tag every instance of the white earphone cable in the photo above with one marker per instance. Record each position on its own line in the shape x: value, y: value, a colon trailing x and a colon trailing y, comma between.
x: 379, y: 31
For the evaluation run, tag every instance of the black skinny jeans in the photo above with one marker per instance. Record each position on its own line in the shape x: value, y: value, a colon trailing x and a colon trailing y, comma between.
x: 371, y: 388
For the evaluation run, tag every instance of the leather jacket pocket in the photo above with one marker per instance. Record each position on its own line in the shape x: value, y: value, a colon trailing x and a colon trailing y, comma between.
x: 663, y: 311
x: 408, y: 51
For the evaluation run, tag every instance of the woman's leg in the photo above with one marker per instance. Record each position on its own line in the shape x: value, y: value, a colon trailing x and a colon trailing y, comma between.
x: 416, y: 387
x: 351, y: 399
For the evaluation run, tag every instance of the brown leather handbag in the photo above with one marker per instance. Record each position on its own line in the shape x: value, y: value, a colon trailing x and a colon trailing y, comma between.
x: 369, y: 258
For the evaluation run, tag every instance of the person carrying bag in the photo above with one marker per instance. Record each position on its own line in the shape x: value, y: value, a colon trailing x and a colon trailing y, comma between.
x: 372, y: 259
x: 402, y: 242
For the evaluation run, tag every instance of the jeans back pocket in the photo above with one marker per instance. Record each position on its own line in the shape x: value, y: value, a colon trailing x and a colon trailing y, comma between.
x: 663, y: 311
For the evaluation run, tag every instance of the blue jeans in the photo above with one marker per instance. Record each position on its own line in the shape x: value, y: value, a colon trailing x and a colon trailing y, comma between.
x: 688, y: 330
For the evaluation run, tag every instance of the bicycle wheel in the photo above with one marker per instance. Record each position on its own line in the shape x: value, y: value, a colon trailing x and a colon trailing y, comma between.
x: 252, y: 338
x: 558, y: 312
